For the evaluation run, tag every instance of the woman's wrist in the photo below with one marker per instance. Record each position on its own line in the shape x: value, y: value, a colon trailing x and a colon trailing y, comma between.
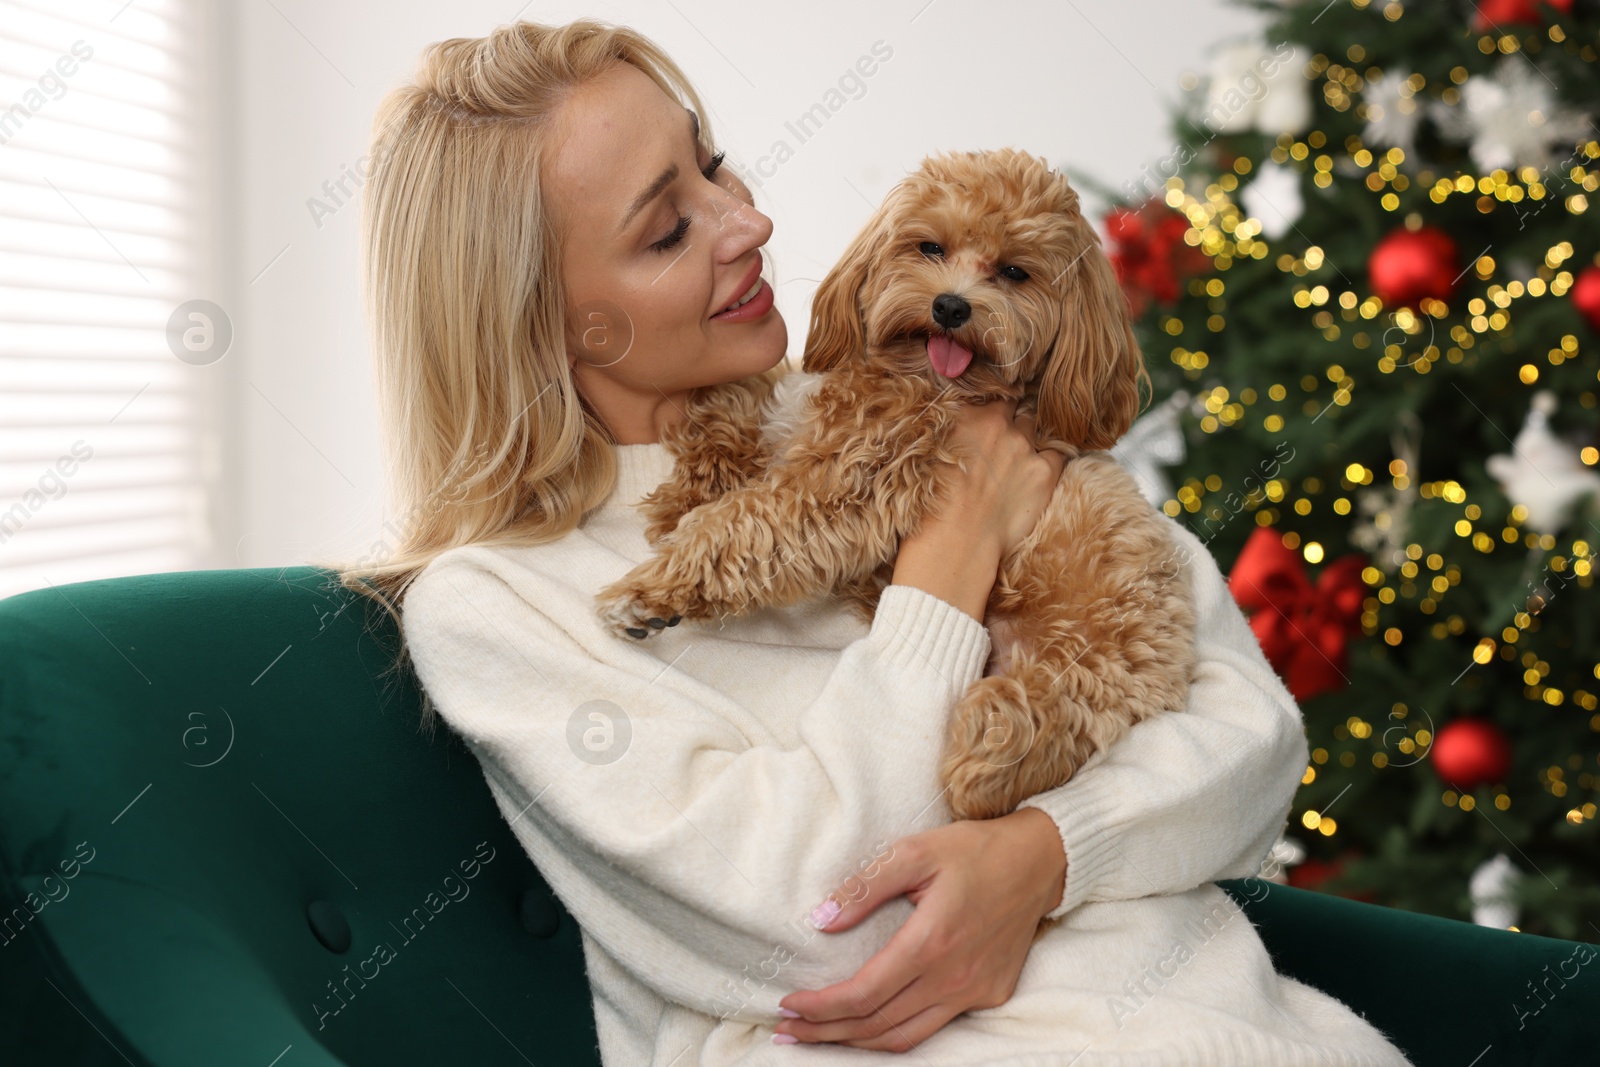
x: 1043, y: 842
x: 953, y: 563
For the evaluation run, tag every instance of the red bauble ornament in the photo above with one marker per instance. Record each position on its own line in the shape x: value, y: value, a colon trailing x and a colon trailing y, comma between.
x: 1496, y: 13
x: 1409, y: 266
x: 1468, y: 753
x: 1585, y: 295
x: 1312, y: 874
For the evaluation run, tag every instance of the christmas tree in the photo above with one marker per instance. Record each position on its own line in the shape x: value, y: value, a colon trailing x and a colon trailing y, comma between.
x: 1367, y: 285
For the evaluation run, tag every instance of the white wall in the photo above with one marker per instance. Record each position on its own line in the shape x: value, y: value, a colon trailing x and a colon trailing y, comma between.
x: 1086, y: 85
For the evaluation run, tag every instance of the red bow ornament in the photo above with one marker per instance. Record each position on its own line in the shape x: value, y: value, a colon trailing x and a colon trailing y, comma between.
x: 1302, y: 628
x: 1149, y: 254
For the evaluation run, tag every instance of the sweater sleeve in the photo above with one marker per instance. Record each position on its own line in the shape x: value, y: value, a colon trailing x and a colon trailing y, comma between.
x: 695, y: 857
x: 1189, y: 797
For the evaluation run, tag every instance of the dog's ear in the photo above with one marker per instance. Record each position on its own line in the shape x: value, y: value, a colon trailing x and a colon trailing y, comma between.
x: 837, y: 334
x: 1089, y: 389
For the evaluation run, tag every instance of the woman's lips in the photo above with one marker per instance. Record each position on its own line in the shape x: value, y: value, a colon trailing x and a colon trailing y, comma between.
x: 756, y: 307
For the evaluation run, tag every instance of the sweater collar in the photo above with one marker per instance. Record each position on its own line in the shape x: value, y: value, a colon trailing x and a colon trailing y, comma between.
x: 640, y: 469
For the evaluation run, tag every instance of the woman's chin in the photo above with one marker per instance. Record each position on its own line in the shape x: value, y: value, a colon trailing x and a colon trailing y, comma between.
x: 767, y: 345
x: 779, y: 353
x: 760, y: 346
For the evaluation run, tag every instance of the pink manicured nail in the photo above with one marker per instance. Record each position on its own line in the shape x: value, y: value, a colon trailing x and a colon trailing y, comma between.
x: 784, y: 1039
x: 825, y: 913
x: 788, y: 1013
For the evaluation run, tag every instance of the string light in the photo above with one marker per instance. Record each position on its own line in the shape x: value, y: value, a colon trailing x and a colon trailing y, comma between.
x: 1417, y: 601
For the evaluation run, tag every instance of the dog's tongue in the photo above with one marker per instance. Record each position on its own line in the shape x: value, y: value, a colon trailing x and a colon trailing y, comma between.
x: 947, y: 357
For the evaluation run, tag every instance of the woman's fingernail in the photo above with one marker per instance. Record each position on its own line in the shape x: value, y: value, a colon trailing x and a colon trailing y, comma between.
x: 825, y: 913
x: 788, y: 1013
x: 784, y: 1039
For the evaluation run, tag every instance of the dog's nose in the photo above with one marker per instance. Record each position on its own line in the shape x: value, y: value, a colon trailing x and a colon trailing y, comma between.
x: 950, y: 310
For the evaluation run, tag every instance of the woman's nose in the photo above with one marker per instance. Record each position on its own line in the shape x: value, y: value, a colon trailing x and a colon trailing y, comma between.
x: 763, y: 226
x: 742, y: 225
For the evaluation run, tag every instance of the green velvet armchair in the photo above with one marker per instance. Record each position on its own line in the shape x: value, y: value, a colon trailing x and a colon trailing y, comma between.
x: 223, y: 839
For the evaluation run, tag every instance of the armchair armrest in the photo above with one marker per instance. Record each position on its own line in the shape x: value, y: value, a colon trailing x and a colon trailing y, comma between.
x: 153, y: 982
x: 1445, y: 991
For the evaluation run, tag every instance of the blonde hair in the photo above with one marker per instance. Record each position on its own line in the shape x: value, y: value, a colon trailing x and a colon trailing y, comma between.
x: 486, y: 437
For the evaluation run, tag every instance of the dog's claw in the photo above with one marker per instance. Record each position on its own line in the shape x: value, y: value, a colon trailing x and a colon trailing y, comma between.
x: 625, y: 618
x: 632, y: 611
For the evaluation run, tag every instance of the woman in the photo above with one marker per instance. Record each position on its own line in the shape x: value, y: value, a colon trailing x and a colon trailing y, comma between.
x: 552, y: 254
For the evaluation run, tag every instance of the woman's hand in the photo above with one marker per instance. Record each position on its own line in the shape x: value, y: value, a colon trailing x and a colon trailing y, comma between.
x: 980, y: 889
x: 986, y: 510
x: 1008, y: 480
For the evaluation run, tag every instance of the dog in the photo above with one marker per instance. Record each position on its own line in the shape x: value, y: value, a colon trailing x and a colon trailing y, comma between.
x: 979, y: 279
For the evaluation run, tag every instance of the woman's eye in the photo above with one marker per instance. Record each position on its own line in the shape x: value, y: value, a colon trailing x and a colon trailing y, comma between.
x: 678, y: 231
x: 675, y: 236
x: 1016, y: 274
x: 931, y: 249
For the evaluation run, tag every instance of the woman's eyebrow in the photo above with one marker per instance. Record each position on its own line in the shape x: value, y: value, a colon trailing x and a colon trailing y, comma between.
x: 664, y: 179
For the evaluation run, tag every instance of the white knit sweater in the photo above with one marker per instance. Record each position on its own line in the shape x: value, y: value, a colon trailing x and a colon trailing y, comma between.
x: 692, y: 797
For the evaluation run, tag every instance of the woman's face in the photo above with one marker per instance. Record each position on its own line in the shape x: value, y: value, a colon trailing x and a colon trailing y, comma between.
x: 655, y: 245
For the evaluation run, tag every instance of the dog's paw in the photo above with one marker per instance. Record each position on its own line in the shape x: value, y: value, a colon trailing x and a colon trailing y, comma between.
x: 991, y: 735
x: 627, y: 609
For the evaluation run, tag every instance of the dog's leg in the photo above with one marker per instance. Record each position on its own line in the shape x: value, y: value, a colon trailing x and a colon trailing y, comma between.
x: 851, y: 485
x: 717, y: 446
x: 776, y: 541
x: 1094, y: 631
x: 1000, y: 731
x: 862, y: 594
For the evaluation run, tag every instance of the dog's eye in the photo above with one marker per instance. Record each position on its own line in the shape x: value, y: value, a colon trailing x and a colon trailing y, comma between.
x: 931, y: 249
x: 1016, y: 274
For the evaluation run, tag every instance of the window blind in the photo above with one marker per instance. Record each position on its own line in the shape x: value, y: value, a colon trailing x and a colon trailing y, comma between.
x: 101, y: 238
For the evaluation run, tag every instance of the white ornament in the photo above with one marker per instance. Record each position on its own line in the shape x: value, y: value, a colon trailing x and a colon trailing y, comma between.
x: 1377, y: 533
x: 1491, y: 887
x: 1253, y: 87
x: 1273, y: 199
x: 1287, y: 105
x: 1392, y: 113
x: 1544, y: 473
x: 1231, y: 95
x: 1386, y: 513
x: 1153, y: 441
x: 1512, y: 118
x: 1286, y: 852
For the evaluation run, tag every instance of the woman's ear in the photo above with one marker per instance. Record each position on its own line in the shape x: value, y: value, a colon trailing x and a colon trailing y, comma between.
x: 1089, y: 389
x: 837, y: 333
